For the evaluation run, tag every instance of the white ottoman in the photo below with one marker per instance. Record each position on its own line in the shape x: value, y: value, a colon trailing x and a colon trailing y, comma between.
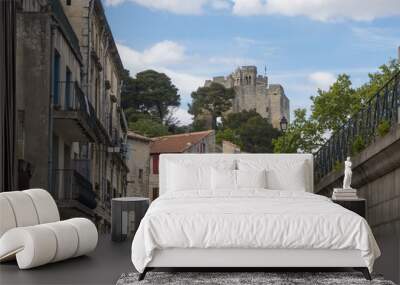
x: 31, y: 232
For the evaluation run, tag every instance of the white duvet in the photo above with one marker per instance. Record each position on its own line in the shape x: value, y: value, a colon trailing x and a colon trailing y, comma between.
x: 250, y: 219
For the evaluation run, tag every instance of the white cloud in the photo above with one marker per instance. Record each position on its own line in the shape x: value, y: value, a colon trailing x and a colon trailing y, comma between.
x: 321, y: 79
x: 186, y: 82
x: 166, y: 57
x: 377, y: 38
x: 163, y: 53
x: 220, y: 4
x: 113, y: 2
x: 185, y: 7
x: 182, y: 115
x: 321, y: 10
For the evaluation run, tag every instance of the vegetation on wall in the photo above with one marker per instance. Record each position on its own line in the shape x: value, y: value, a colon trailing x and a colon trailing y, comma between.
x: 358, y: 145
x: 383, y: 128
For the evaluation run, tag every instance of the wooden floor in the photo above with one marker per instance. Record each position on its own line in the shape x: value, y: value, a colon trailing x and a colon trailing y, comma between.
x: 103, y: 266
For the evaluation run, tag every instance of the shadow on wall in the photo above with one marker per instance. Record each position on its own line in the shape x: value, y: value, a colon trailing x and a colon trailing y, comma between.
x: 389, y: 264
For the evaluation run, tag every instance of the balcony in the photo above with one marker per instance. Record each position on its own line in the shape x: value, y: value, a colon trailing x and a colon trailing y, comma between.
x: 82, y: 166
x: 73, y: 190
x: 74, y: 116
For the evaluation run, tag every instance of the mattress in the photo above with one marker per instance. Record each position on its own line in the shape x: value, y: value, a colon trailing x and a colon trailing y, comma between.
x: 250, y: 219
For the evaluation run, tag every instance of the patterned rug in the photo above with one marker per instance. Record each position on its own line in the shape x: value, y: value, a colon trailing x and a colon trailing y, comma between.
x: 243, y: 278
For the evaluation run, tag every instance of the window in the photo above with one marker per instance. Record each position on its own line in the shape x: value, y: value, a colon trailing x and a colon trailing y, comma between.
x: 155, y: 193
x: 140, y: 174
x: 155, y: 163
x: 68, y: 87
x: 68, y: 2
x: 56, y: 78
x: 202, y: 147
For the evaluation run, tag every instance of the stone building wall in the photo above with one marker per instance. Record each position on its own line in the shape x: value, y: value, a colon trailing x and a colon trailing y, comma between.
x: 33, y: 77
x: 139, y: 167
x: 252, y: 92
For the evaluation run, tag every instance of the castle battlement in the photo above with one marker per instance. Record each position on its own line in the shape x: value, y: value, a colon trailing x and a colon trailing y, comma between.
x: 253, y: 92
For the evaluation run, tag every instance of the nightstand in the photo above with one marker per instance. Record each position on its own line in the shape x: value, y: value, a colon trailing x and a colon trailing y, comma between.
x: 126, y: 214
x: 358, y: 206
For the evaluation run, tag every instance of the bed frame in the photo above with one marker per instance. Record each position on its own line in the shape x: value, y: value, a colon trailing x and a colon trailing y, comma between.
x: 259, y: 259
x: 242, y: 259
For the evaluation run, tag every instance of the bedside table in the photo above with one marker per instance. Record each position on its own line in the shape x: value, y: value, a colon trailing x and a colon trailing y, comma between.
x: 358, y: 206
x: 126, y: 214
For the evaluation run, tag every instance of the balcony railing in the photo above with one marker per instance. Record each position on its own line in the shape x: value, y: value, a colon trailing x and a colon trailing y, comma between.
x: 379, y: 114
x: 69, y: 185
x: 82, y: 166
x: 70, y: 97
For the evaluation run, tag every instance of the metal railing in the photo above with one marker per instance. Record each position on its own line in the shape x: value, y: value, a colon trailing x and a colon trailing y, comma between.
x: 82, y: 166
x: 70, y: 97
x: 70, y: 185
x: 377, y: 115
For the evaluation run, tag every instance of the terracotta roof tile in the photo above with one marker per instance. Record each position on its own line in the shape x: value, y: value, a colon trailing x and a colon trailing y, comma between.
x: 177, y: 143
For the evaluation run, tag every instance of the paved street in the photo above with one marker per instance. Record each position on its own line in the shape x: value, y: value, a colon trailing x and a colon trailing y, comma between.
x: 103, y: 266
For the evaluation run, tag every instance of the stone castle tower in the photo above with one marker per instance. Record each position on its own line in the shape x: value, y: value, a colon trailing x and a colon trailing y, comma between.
x: 252, y: 92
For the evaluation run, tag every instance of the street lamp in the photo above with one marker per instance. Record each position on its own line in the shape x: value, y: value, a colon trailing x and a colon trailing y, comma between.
x: 283, y: 124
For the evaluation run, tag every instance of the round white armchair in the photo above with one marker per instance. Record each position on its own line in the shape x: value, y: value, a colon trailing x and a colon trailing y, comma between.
x: 31, y: 230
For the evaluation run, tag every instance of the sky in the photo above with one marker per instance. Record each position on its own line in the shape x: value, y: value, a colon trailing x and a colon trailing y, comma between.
x: 302, y: 44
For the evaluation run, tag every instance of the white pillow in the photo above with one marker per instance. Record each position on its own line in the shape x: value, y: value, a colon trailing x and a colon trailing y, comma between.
x: 223, y: 179
x: 188, y: 177
x: 291, y: 177
x: 251, y: 178
x: 186, y: 174
x: 281, y: 174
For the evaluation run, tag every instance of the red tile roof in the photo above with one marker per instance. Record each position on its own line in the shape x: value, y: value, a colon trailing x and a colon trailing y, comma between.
x: 177, y: 143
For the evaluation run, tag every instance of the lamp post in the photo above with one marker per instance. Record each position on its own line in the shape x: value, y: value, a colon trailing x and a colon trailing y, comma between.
x: 283, y: 124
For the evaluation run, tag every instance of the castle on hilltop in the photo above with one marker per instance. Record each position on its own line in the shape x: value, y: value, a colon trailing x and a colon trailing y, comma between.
x: 252, y: 92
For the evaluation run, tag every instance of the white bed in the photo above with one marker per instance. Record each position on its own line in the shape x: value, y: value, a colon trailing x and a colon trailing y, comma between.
x: 197, y: 224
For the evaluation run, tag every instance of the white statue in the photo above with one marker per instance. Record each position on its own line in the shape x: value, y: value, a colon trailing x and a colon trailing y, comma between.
x: 347, y: 174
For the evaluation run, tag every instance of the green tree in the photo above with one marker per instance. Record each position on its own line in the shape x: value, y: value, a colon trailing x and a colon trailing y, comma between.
x: 214, y: 100
x: 302, y: 135
x: 150, y: 93
x: 226, y: 134
x: 378, y: 79
x: 198, y: 125
x: 330, y: 110
x: 234, y: 120
x: 333, y: 108
x: 256, y: 135
x: 248, y: 130
x: 149, y: 128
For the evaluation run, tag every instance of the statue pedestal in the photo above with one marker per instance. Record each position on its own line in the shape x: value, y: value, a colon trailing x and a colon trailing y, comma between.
x: 344, y: 190
x: 344, y: 194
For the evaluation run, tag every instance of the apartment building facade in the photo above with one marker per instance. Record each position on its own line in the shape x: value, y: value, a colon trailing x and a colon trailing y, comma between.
x: 71, y: 132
